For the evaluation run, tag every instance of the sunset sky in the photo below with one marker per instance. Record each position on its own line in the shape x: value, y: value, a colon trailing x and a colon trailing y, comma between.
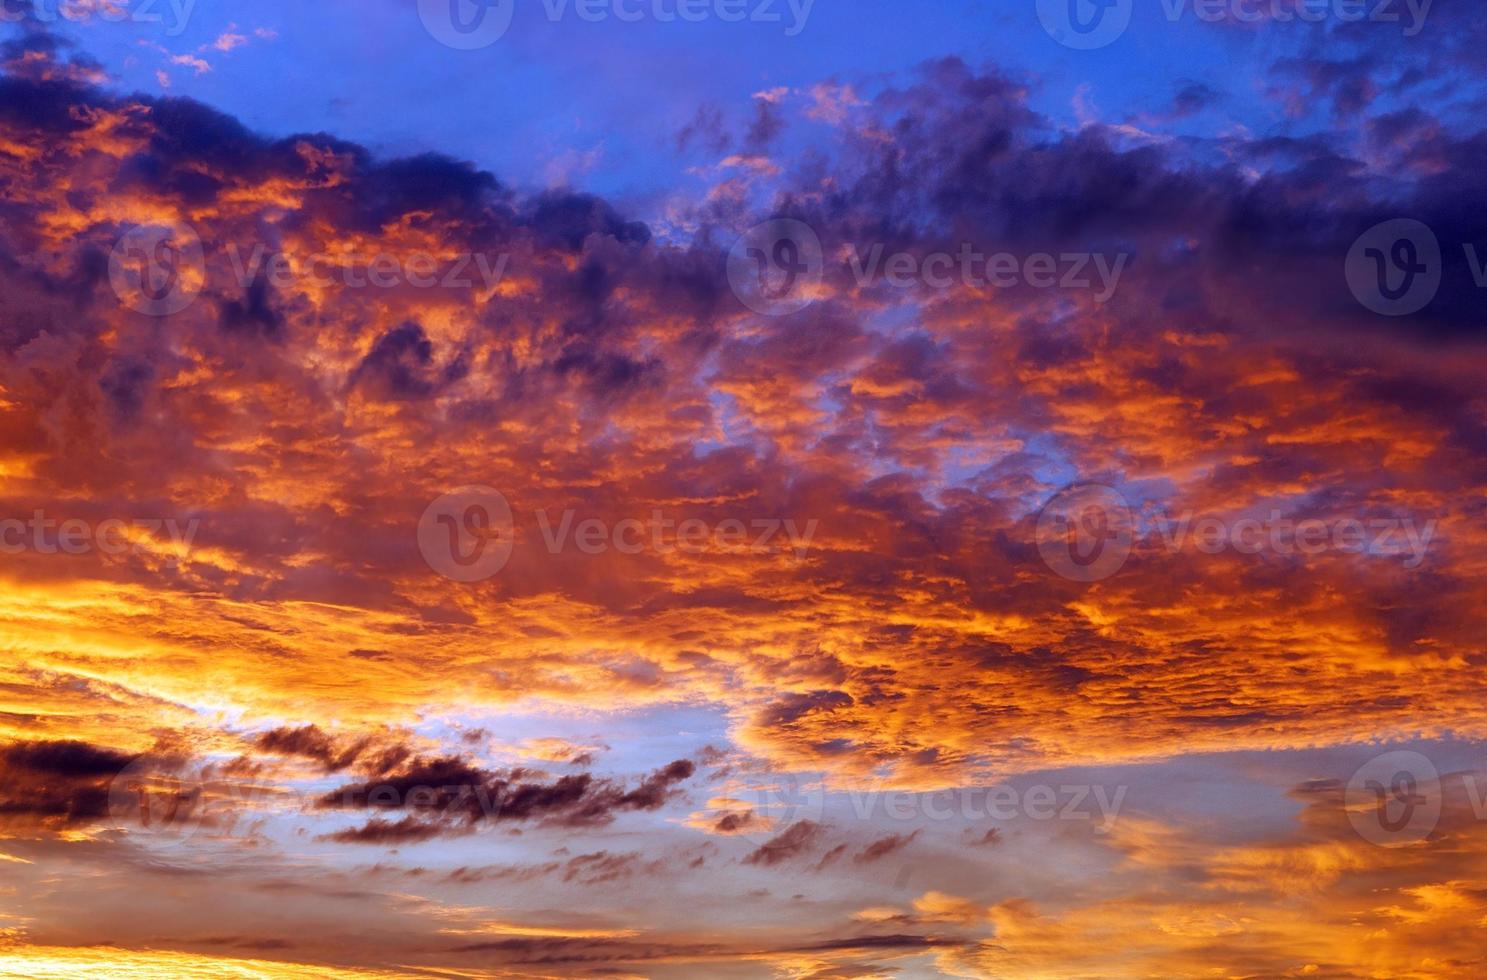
x: 743, y: 489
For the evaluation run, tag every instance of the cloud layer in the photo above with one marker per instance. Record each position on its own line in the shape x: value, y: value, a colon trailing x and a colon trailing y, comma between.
x: 248, y: 635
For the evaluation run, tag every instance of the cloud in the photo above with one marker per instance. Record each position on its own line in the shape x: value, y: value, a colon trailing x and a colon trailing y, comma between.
x: 918, y: 642
x: 449, y: 794
x: 884, y: 846
x: 389, y: 833
x: 44, y: 783
x: 794, y: 841
x: 310, y: 742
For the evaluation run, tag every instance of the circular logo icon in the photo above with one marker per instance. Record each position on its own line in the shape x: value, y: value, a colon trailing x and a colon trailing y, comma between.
x: 467, y: 535
x: 466, y: 25
x: 1085, y: 532
x: 1085, y: 24
x: 157, y: 269
x: 776, y: 267
x: 767, y: 807
x: 1394, y: 800
x: 1394, y: 268
x: 168, y: 803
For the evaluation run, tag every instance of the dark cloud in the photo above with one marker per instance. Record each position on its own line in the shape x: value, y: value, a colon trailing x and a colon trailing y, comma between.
x: 882, y: 942
x: 67, y: 759
x: 793, y: 707
x: 765, y: 127
x: 390, y: 833
x: 401, y: 366
x: 796, y: 840
x: 735, y: 821
x: 1192, y: 99
x: 602, y: 867
x: 310, y: 742
x: 253, y: 313
x: 44, y: 782
x: 656, y: 788
x: 566, y: 219
x: 707, y: 131
x: 830, y: 857
x: 455, y: 794
x: 884, y: 846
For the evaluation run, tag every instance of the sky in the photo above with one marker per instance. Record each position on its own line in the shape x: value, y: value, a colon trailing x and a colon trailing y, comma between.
x: 812, y: 490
